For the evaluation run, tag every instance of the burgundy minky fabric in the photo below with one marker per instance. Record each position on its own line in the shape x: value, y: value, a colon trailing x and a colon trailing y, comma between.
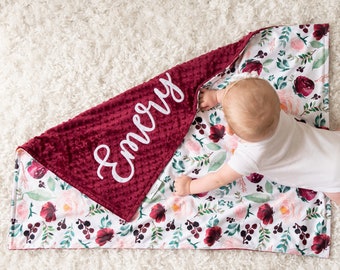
x: 114, y: 152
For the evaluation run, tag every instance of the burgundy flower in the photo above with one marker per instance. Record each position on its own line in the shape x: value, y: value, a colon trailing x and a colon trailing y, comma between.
x: 36, y: 170
x: 212, y: 235
x: 320, y: 242
x: 48, y: 212
x: 265, y: 213
x: 306, y: 194
x: 252, y: 65
x: 216, y: 133
x: 303, y: 86
x: 320, y: 30
x: 255, y: 177
x: 103, y: 236
x: 158, y: 212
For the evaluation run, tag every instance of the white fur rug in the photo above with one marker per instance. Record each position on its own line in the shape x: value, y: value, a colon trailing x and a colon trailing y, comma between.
x: 59, y: 58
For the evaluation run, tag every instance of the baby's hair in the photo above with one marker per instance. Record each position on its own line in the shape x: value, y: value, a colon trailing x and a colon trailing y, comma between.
x: 252, y: 108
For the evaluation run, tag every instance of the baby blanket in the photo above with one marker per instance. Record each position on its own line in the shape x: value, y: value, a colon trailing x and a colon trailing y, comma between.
x: 105, y: 178
x: 114, y: 152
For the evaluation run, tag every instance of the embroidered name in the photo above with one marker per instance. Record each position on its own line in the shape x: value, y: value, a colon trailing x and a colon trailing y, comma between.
x: 128, y: 146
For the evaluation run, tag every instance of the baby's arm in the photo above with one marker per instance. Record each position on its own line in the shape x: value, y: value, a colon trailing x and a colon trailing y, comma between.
x: 184, y: 185
x: 210, y: 98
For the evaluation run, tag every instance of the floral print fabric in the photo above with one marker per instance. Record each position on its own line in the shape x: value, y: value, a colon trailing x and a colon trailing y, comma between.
x: 252, y: 213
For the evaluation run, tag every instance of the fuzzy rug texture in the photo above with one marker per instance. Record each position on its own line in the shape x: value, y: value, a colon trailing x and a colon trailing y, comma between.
x: 59, y: 58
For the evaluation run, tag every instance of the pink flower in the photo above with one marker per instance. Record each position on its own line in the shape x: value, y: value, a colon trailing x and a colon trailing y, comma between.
x: 193, y: 146
x: 22, y: 210
x: 290, y: 103
x: 297, y: 44
x: 71, y: 202
x: 232, y: 243
x: 288, y: 207
x: 182, y: 207
x: 240, y: 211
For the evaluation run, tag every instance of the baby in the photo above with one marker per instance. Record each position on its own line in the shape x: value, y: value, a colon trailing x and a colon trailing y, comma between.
x: 272, y: 143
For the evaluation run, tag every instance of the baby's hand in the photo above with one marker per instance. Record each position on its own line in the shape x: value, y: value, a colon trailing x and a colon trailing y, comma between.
x: 182, y: 185
x: 207, y: 99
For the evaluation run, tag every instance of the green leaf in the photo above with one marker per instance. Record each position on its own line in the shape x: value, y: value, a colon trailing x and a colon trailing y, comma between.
x: 96, y: 209
x: 283, y: 189
x: 266, y: 69
x: 282, y: 64
x: 157, y: 234
x: 214, y: 118
x: 281, y: 82
x: 39, y: 195
x: 302, y: 251
x: 233, y: 228
x: 47, y: 234
x: 305, y: 58
x: 258, y: 197
x: 269, y: 187
x: 213, y: 221
x: 51, y: 184
x: 321, y: 228
x: 249, y: 213
x: 176, y: 238
x: 284, y: 242
x: 178, y: 165
x: 85, y: 245
x: 265, y: 34
x: 226, y: 188
x: 267, y: 62
x: 105, y: 222
x: 199, y: 160
x: 213, y: 146
x: 15, y: 229
x: 218, y: 161
x: 263, y: 238
x: 206, y: 208
x: 312, y: 213
x: 316, y: 44
x: 125, y: 230
x: 320, y: 61
x: 68, y: 236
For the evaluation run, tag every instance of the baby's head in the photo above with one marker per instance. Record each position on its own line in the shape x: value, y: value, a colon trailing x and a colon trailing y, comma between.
x: 252, y: 108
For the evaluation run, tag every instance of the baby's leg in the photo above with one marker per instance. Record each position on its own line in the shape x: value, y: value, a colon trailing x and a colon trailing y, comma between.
x: 335, y: 197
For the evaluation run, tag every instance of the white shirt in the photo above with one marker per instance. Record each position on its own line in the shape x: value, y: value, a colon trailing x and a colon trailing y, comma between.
x: 297, y: 155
